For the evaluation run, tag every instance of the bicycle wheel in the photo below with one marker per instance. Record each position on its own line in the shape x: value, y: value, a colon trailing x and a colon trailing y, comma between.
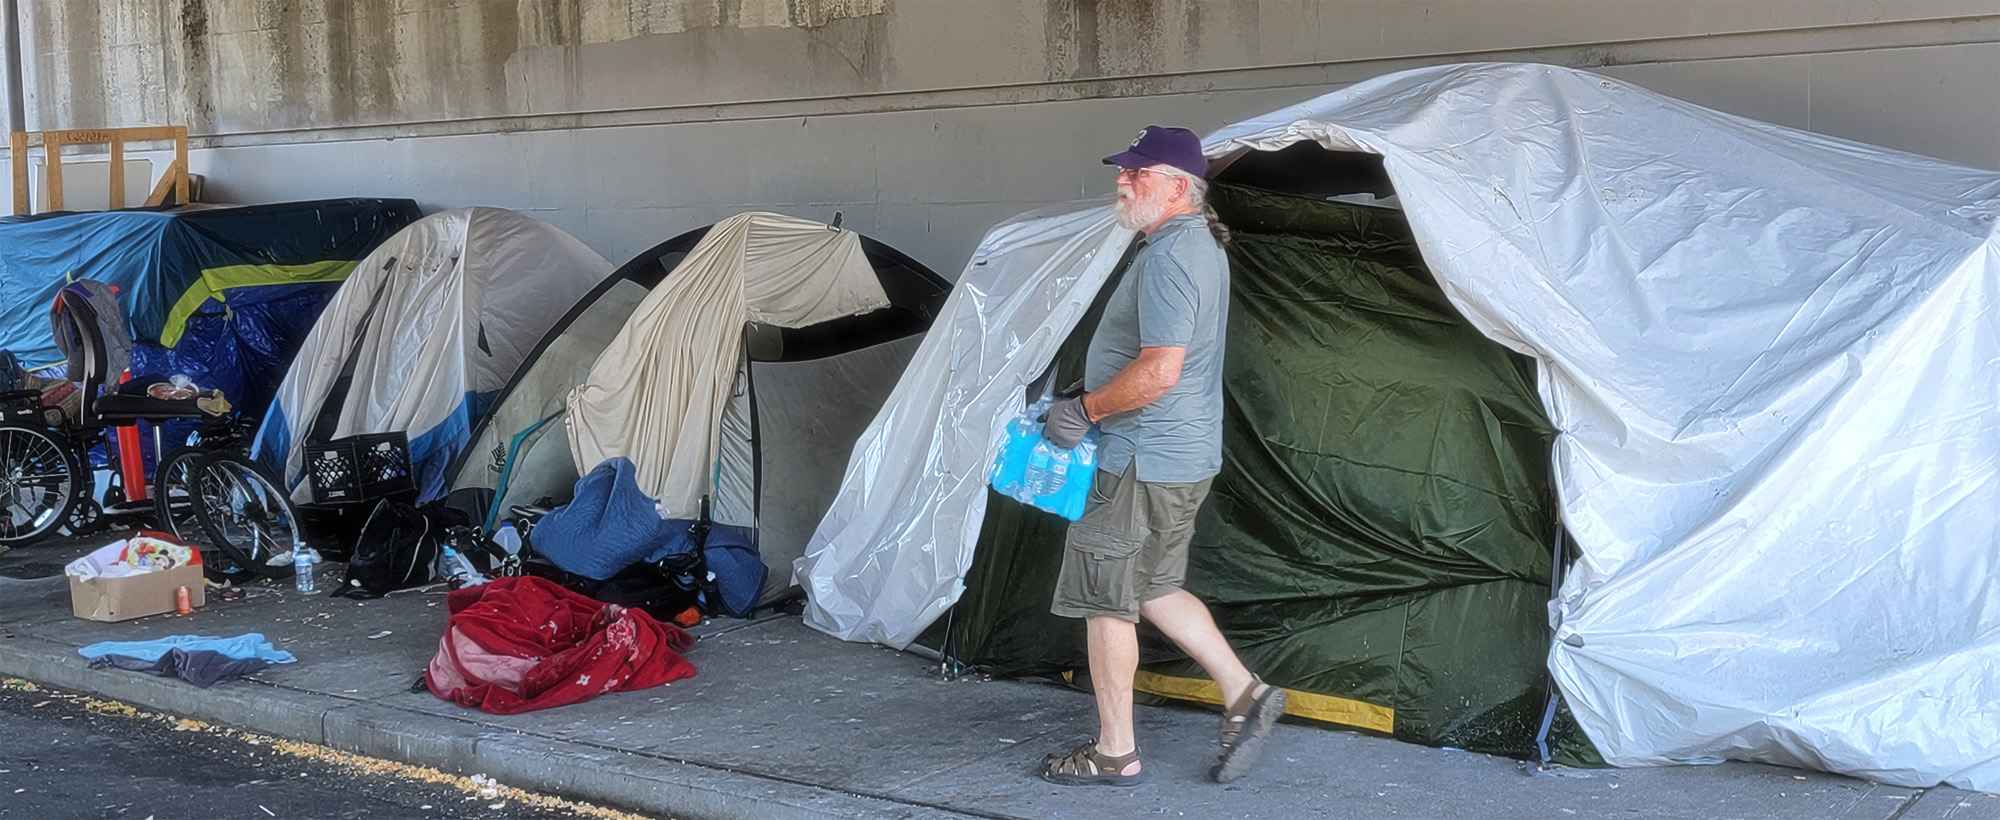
x: 173, y: 493
x: 245, y: 514
x: 40, y: 483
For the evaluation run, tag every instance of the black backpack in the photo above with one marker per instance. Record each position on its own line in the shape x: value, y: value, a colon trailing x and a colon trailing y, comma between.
x: 396, y: 549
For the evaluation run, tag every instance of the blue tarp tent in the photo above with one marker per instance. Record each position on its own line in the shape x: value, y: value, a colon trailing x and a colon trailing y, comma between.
x: 224, y: 295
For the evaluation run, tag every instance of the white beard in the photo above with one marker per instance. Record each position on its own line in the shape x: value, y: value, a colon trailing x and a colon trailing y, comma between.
x: 1138, y: 214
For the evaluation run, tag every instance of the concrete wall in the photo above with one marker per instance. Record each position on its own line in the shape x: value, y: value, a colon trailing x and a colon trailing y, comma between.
x: 925, y: 121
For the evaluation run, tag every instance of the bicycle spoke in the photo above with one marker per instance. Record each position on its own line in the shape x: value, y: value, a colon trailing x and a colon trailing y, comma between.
x: 37, y: 483
x: 42, y: 476
x: 243, y: 511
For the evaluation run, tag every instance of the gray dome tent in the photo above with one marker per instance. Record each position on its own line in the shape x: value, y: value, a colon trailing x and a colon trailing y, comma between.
x: 796, y: 399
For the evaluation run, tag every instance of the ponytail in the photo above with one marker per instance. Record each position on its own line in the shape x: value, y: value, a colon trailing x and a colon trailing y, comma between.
x: 1197, y: 197
x: 1215, y: 226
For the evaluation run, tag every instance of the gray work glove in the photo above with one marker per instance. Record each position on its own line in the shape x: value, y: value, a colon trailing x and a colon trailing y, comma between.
x: 1066, y: 423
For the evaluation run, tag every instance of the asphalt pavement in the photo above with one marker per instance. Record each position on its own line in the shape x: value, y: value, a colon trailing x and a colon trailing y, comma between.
x: 65, y: 756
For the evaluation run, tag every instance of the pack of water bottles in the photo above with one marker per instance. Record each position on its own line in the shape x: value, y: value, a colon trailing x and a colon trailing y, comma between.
x: 1034, y: 472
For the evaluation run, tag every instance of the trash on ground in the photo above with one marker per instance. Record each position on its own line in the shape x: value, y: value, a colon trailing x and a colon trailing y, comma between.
x: 135, y: 577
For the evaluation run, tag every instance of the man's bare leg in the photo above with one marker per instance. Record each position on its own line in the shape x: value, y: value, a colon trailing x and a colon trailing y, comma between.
x: 1114, y: 659
x: 1186, y: 620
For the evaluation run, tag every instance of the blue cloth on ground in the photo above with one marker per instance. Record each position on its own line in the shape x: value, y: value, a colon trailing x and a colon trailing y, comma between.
x: 203, y: 668
x: 608, y: 525
x: 611, y: 524
x: 250, y: 645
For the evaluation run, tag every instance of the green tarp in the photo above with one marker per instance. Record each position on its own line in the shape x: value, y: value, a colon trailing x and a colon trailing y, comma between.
x: 1379, y: 538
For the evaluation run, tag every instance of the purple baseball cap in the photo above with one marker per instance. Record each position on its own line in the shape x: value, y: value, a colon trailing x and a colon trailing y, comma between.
x: 1163, y: 145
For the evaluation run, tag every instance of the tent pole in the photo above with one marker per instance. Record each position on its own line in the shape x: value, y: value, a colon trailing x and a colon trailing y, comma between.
x: 1542, y: 757
x: 948, y: 667
x: 1559, y: 560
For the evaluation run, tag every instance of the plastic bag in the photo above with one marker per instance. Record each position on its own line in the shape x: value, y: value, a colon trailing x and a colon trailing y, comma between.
x: 1034, y: 472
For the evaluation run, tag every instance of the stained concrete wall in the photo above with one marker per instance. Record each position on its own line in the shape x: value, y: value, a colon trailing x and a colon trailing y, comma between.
x: 925, y: 121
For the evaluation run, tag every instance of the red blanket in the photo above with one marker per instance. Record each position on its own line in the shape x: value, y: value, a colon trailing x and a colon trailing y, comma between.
x: 519, y: 644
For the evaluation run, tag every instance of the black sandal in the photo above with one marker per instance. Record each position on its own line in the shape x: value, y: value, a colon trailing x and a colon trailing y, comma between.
x: 1244, y: 728
x: 1088, y: 767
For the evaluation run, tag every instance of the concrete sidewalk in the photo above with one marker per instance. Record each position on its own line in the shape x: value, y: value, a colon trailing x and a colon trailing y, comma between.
x: 783, y: 722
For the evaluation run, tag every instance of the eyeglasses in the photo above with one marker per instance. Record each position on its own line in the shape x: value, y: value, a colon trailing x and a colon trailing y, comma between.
x: 1133, y: 174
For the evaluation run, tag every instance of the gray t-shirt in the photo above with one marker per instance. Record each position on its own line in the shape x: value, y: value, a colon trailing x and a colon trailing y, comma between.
x: 1175, y: 295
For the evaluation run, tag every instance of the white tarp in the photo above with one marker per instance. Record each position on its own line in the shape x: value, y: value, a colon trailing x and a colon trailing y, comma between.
x: 1773, y: 358
x: 436, y: 320
x: 892, y: 553
x: 657, y: 393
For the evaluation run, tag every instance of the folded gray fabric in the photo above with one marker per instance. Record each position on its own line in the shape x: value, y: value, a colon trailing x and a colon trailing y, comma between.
x: 201, y: 667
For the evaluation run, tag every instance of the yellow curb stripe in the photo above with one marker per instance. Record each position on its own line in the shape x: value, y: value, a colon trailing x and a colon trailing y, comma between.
x: 1308, y: 705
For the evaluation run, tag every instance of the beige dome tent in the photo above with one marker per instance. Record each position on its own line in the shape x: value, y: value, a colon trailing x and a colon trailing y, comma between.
x: 736, y: 362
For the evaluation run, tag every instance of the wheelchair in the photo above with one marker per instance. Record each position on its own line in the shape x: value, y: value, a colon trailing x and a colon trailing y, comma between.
x: 208, y: 490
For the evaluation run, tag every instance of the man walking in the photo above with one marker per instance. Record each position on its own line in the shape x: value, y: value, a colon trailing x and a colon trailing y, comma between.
x: 1154, y: 381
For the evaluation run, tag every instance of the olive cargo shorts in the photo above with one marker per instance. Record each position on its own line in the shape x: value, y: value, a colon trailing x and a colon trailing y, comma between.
x: 1130, y: 546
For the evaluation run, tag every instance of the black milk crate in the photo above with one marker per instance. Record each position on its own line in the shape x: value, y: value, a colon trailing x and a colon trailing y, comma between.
x: 359, y: 467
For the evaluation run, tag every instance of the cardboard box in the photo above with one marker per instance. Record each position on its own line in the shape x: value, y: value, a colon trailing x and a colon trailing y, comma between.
x: 134, y: 596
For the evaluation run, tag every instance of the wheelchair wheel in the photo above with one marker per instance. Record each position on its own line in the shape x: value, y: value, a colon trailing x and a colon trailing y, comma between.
x: 173, y: 494
x: 247, y: 517
x: 40, y: 484
x: 86, y: 518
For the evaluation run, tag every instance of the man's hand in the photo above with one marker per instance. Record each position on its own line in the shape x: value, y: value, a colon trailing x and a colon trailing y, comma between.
x: 1067, y: 422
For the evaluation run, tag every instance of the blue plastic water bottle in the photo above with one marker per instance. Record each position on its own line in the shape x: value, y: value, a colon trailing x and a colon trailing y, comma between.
x: 447, y: 563
x: 1009, y: 476
x: 1040, y: 478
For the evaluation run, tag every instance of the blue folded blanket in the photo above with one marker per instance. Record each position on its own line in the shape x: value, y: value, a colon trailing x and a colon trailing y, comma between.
x: 251, y: 645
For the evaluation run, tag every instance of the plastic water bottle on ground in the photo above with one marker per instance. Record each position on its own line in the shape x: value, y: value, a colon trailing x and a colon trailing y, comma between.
x: 508, y: 539
x: 447, y: 563
x: 302, y: 566
x: 457, y: 569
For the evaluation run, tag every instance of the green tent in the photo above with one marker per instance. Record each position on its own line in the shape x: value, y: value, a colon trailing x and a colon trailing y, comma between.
x: 1379, y: 539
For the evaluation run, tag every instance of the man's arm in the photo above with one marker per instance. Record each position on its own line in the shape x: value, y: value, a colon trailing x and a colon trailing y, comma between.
x: 1147, y: 378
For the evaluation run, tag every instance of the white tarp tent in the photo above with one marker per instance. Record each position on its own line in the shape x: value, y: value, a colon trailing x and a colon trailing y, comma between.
x: 430, y: 325
x: 1773, y: 358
